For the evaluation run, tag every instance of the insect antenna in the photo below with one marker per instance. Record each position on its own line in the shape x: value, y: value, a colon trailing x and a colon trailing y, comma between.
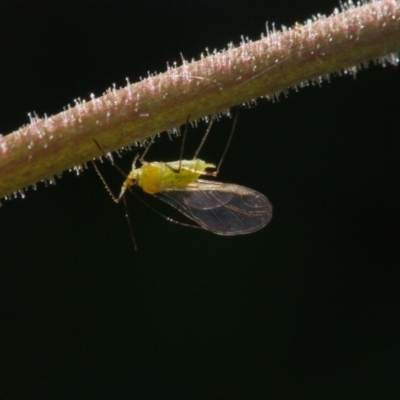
x: 130, y: 225
x: 116, y: 200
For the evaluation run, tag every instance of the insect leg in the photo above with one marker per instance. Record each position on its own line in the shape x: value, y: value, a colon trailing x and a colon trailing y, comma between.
x: 204, y: 138
x: 141, y: 159
x: 112, y: 163
x: 183, y: 143
x: 228, y: 143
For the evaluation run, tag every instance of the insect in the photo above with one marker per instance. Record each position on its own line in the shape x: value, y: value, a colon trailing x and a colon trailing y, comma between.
x: 220, y: 208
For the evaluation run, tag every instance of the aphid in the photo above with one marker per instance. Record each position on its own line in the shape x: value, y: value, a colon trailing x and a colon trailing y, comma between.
x: 220, y: 208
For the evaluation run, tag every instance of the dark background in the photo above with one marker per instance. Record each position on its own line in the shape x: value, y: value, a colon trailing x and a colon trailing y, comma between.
x: 307, y: 307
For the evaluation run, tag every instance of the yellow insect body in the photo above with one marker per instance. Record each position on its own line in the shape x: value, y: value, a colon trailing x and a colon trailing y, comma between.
x: 221, y: 208
x: 155, y: 177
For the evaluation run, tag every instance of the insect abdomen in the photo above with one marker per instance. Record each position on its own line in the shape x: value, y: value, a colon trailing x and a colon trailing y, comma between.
x: 157, y: 176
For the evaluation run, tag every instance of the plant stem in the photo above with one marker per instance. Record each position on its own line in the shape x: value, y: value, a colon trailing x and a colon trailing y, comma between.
x: 264, y: 68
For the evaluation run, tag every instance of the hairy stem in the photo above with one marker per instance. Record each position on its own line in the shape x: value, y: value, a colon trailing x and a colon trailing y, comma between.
x: 263, y: 68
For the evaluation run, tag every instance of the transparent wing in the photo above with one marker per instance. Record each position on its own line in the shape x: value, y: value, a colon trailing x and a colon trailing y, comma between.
x: 221, y: 208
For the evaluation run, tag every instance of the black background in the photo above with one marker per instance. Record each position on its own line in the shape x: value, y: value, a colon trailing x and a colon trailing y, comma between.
x: 307, y: 307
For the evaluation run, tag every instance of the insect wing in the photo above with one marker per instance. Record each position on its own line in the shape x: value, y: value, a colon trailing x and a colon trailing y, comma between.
x: 224, y: 209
